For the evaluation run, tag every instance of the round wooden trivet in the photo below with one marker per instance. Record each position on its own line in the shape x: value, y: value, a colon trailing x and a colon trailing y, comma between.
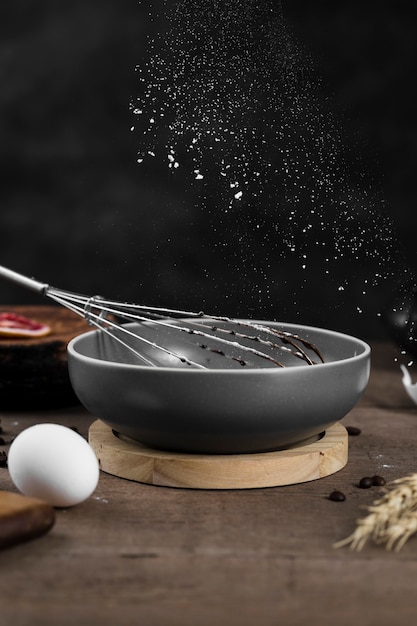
x: 129, y: 459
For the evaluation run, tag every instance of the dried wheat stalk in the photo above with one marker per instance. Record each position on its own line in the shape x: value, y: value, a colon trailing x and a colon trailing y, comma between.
x: 391, y: 520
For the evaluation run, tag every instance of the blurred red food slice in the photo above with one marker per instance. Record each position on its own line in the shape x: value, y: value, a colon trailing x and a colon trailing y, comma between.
x: 14, y: 325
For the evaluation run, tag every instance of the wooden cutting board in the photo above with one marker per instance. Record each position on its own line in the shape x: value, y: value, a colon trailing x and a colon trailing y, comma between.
x: 126, y: 458
x: 34, y: 370
x: 23, y: 518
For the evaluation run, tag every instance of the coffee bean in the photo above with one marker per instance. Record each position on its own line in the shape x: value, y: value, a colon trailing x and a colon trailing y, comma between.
x: 353, y: 431
x: 337, y: 496
x: 366, y: 482
x: 378, y: 481
x: 3, y: 458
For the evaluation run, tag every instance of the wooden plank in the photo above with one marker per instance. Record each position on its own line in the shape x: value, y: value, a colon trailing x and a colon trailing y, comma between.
x: 23, y: 518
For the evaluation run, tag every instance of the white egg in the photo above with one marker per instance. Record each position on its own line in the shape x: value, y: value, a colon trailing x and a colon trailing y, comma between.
x: 53, y: 463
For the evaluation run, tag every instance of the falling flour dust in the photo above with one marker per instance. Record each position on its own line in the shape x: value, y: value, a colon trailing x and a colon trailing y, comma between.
x: 228, y: 101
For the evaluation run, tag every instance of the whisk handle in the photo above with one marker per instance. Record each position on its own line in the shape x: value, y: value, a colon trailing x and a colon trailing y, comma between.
x: 23, y: 281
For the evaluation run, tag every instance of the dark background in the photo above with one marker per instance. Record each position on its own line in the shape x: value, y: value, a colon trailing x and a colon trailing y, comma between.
x: 77, y: 212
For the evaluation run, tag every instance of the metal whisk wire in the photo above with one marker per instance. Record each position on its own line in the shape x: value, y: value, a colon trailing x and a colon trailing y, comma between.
x: 86, y: 306
x: 105, y: 315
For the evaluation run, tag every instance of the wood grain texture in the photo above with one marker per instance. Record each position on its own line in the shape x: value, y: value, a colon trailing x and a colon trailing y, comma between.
x: 23, y: 518
x: 128, y: 459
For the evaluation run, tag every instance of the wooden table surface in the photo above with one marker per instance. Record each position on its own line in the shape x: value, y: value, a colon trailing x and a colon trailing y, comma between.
x: 140, y: 554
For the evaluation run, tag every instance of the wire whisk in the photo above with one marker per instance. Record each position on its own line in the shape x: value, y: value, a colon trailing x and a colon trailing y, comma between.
x: 158, y: 336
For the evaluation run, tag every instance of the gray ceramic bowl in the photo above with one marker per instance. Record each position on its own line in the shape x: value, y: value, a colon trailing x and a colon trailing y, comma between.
x: 220, y: 411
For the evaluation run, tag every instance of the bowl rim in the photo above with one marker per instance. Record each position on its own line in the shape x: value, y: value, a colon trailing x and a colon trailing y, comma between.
x: 364, y: 351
